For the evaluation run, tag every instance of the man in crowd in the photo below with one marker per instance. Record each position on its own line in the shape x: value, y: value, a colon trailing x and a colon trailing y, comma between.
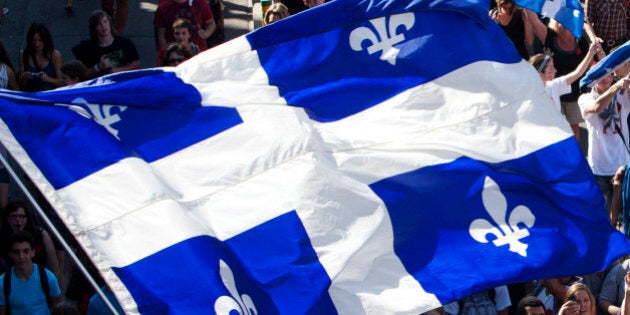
x: 27, y: 288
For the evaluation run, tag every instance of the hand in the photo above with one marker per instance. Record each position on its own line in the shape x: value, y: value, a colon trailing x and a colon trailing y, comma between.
x: 626, y: 280
x: 203, y: 33
x: 44, y: 76
x: 104, y: 63
x: 569, y: 308
x: 595, y: 48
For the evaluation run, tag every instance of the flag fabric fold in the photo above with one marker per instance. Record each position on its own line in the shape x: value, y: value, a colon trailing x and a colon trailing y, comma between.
x: 607, y: 65
x: 351, y: 159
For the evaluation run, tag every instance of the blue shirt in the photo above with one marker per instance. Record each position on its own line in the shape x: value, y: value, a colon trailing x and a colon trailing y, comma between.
x: 27, y: 297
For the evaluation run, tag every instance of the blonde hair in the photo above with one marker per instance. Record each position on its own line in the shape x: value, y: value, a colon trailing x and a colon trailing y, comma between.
x: 277, y: 9
x: 581, y: 286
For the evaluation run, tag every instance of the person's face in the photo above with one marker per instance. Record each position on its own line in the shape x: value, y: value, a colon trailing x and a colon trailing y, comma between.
x: 174, y: 59
x: 182, y: 36
x: 550, y: 71
x: 623, y: 70
x: 534, y: 310
x: 584, y: 301
x: 21, y: 253
x: 273, y: 18
x: 103, y: 28
x: 17, y: 220
x: 604, y: 84
x: 37, y: 42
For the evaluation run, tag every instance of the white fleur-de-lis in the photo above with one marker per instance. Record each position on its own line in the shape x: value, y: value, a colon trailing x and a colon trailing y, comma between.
x: 242, y: 304
x: 385, y: 37
x: 105, y: 115
x: 512, y: 233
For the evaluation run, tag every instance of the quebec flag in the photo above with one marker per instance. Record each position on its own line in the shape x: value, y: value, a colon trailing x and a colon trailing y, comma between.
x: 363, y: 157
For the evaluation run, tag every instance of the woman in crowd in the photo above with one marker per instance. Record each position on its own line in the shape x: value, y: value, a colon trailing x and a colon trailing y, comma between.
x: 39, y: 63
x: 15, y: 218
x: 515, y: 23
x: 568, y: 53
x: 579, y: 300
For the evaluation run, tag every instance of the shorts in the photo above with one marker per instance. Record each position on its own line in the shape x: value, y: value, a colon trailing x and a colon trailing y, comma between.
x: 572, y: 113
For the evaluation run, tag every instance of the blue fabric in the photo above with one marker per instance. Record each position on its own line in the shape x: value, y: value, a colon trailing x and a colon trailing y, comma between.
x: 606, y: 66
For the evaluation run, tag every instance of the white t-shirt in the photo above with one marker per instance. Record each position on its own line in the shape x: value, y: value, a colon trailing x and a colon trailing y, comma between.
x: 606, y: 150
x: 557, y: 87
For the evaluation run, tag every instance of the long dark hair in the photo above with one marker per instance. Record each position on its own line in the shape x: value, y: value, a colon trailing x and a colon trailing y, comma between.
x: 44, y: 34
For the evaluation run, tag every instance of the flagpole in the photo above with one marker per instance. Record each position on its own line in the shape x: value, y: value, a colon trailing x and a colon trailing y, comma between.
x: 54, y: 230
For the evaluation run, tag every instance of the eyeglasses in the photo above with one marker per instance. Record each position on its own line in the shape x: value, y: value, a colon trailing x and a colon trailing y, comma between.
x: 174, y: 60
x: 16, y: 216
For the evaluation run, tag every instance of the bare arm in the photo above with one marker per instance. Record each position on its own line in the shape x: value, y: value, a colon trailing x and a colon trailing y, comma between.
x: 204, y: 33
x: 584, y: 64
x: 609, y: 307
x: 603, y: 100
x: 538, y: 27
x: 13, y: 85
x: 131, y: 66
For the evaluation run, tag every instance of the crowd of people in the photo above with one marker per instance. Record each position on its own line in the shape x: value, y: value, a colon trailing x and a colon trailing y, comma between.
x: 184, y: 28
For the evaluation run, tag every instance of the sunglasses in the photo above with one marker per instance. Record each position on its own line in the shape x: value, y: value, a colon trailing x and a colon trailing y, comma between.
x: 174, y: 60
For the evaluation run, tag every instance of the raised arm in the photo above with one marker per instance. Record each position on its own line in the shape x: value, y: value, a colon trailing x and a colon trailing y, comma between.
x: 583, y: 66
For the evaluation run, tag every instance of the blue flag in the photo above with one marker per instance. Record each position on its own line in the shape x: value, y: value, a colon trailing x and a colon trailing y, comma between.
x: 354, y: 158
x: 617, y: 58
x: 569, y: 13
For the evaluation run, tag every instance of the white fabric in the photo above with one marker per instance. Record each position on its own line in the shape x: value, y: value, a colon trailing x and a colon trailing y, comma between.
x: 557, y: 87
x: 606, y: 150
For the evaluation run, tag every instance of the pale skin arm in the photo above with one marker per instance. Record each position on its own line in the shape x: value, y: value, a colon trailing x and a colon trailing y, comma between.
x: 204, y: 33
x: 604, y: 99
x: 609, y: 307
x: 529, y: 30
x: 538, y: 27
x: 583, y: 66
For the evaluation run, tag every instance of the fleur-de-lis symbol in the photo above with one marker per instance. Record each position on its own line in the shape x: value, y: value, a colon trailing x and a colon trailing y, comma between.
x: 387, y: 37
x: 511, y: 234
x: 105, y: 115
x: 224, y: 305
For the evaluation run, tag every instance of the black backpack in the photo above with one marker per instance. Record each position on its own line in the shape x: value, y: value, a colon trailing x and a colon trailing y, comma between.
x: 43, y: 279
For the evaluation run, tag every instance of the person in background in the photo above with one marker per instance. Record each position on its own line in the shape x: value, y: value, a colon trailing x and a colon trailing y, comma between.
x: 7, y: 74
x: 578, y: 300
x: 530, y: 305
x: 613, y: 290
x: 276, y: 12
x: 544, y: 65
x: 610, y: 20
x: 516, y: 25
x: 175, y: 54
x: 73, y: 72
x: 39, y: 63
x: 16, y: 218
x: 568, y: 53
x: 196, y: 11
x: 182, y: 30
x: 104, y: 52
x: 27, y: 294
